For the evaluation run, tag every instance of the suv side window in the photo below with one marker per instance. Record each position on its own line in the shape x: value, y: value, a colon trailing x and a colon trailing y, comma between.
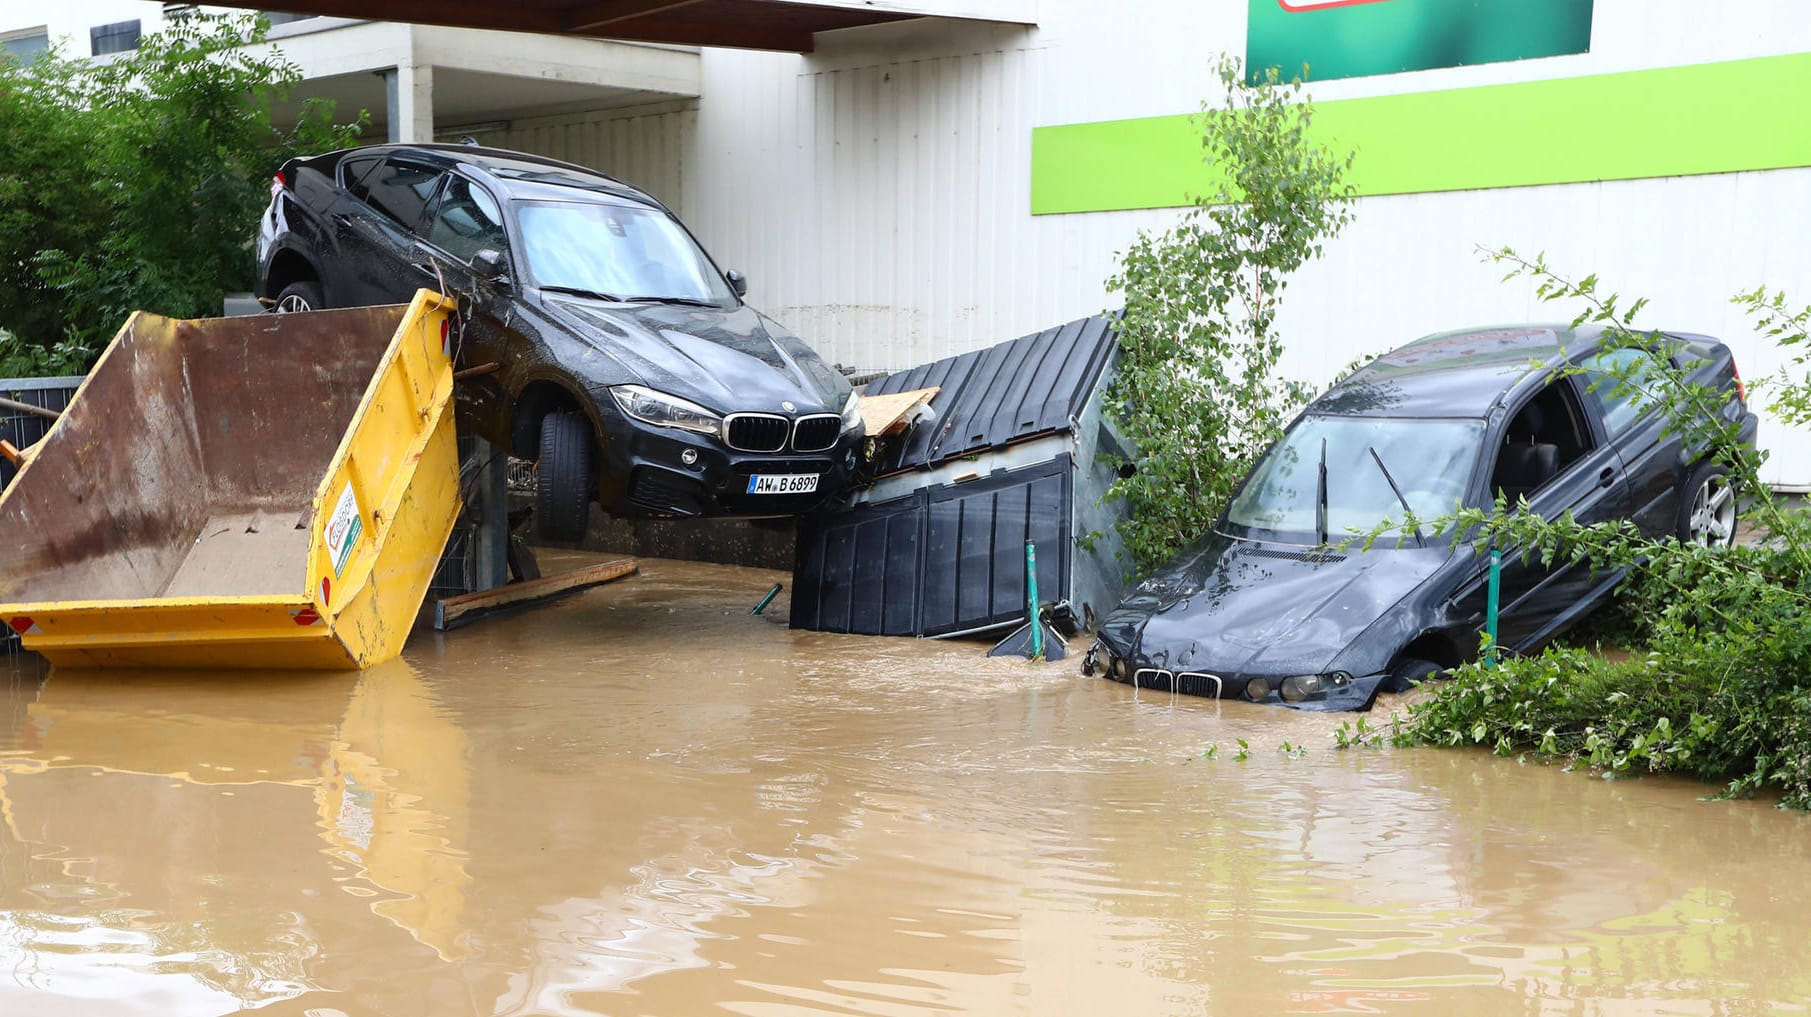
x: 401, y: 190
x: 467, y: 221
x: 1623, y: 380
x: 355, y: 171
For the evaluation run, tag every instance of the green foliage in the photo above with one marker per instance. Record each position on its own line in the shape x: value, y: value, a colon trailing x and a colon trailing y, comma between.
x: 136, y: 182
x: 1358, y: 734
x: 1198, y: 335
x: 1721, y: 688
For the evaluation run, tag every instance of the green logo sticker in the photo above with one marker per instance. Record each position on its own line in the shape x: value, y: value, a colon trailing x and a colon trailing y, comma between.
x: 1354, y: 38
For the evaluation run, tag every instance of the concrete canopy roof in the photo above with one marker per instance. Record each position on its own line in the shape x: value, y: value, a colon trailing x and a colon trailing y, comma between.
x: 745, y: 24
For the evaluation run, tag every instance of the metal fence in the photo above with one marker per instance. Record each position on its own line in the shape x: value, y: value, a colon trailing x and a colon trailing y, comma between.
x: 23, y: 429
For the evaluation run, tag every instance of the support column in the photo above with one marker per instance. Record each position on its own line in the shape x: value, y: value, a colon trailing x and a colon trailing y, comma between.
x: 491, y: 550
x: 409, y: 102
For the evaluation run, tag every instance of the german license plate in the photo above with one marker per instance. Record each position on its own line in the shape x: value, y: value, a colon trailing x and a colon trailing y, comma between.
x: 782, y: 483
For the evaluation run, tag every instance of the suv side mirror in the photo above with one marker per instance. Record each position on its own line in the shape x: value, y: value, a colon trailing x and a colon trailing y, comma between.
x: 488, y: 264
x: 737, y: 281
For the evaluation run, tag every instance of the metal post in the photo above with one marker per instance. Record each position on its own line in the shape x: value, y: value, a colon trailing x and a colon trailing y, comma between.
x: 1490, y: 608
x: 1031, y: 587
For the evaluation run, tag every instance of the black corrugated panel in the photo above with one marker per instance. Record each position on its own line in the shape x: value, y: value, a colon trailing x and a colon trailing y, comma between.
x: 1000, y: 395
x: 942, y: 559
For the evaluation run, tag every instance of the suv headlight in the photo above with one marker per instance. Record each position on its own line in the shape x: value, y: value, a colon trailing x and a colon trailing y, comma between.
x: 852, y: 412
x: 663, y: 410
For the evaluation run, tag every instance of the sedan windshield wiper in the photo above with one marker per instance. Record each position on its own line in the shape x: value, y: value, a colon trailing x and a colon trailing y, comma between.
x: 1409, y: 513
x: 580, y: 291
x: 1320, y: 497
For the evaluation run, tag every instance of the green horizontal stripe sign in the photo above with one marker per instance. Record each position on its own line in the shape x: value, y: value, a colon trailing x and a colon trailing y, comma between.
x: 1676, y: 121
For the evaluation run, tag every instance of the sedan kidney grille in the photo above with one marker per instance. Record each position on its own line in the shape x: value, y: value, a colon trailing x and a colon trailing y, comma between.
x: 816, y: 433
x: 755, y: 432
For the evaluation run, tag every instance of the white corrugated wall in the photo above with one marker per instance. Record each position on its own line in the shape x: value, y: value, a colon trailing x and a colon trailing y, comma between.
x: 877, y: 193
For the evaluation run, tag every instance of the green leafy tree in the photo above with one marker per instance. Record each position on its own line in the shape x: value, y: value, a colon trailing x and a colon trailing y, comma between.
x: 137, y: 182
x: 1198, y: 339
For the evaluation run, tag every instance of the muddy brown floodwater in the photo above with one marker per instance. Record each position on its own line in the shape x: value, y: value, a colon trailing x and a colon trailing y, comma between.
x: 644, y: 800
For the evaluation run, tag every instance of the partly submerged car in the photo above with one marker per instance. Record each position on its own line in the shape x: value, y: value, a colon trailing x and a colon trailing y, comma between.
x: 600, y: 338
x: 1268, y: 608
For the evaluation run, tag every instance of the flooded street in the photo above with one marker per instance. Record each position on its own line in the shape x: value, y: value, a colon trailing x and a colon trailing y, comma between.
x: 644, y: 800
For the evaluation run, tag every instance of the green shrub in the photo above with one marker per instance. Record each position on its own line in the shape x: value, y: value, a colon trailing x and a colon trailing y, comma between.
x: 1199, y: 347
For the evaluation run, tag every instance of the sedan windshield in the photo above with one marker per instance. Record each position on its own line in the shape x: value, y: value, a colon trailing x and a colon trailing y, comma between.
x: 621, y: 252
x: 1429, y: 460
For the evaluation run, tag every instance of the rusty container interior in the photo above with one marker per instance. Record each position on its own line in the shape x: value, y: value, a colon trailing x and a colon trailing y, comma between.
x: 188, y: 464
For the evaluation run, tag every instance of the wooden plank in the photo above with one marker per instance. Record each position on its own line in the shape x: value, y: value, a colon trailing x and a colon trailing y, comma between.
x: 458, y: 610
x: 885, y: 413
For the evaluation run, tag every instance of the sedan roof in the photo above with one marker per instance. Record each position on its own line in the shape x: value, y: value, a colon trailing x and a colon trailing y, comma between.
x: 1455, y: 374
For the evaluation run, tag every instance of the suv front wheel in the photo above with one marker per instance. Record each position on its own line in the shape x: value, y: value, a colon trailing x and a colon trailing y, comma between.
x: 301, y: 295
x: 563, y: 478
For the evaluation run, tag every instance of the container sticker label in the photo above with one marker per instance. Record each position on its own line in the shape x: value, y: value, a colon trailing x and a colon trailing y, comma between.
x: 343, y: 529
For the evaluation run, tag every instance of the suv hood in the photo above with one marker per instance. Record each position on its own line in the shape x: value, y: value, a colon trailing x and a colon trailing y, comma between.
x: 728, y: 360
x: 1237, y: 607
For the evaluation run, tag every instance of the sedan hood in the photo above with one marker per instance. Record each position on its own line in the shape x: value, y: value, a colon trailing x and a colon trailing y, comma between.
x: 728, y: 360
x: 1243, y: 608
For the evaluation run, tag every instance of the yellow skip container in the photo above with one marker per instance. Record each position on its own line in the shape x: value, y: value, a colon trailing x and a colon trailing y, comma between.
x: 260, y: 492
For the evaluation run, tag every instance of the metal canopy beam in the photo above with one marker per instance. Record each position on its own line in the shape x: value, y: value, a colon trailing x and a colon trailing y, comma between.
x: 592, y: 17
x: 783, y: 25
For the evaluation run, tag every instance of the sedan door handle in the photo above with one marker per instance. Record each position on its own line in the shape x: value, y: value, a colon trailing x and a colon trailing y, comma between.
x: 1607, y: 477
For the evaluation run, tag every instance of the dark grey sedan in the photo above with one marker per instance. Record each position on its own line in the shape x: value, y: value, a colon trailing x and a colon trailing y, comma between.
x: 1265, y: 608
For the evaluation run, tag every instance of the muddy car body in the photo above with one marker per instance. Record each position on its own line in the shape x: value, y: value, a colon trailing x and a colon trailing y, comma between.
x: 1266, y: 607
x: 602, y: 340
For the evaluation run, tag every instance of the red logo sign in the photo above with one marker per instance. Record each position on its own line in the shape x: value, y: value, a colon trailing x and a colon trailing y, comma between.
x: 21, y: 624
x: 306, y: 616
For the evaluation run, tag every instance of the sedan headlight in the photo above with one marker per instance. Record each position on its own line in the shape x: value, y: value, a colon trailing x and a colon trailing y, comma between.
x: 1298, y: 688
x: 852, y: 412
x: 664, y: 410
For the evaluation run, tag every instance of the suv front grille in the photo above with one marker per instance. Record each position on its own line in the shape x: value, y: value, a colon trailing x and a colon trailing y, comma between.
x: 816, y: 433
x: 755, y: 432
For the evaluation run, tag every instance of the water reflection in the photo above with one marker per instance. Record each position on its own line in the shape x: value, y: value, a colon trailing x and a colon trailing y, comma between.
x: 645, y: 800
x: 144, y: 816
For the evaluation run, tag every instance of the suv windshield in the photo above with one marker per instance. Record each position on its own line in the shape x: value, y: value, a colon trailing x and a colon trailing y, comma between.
x: 625, y: 251
x: 1430, y: 460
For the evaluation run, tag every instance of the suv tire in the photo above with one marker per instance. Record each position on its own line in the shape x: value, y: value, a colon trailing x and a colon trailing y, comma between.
x: 563, y: 478
x: 301, y: 295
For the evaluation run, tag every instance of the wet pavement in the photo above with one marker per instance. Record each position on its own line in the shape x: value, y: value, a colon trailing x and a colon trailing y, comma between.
x: 644, y: 800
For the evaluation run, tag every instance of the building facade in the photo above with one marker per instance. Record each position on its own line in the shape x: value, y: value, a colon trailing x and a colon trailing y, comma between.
x: 923, y: 187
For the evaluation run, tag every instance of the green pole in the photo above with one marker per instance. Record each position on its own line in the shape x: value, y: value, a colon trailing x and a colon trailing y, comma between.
x: 1490, y: 608
x: 1031, y: 586
x: 762, y: 606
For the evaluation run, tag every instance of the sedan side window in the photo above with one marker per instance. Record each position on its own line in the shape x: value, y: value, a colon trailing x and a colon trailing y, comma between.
x: 1624, y: 381
x: 401, y: 191
x: 467, y: 221
x: 1545, y: 436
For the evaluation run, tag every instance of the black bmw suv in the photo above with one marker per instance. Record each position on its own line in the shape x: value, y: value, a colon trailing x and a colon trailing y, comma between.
x: 598, y: 338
